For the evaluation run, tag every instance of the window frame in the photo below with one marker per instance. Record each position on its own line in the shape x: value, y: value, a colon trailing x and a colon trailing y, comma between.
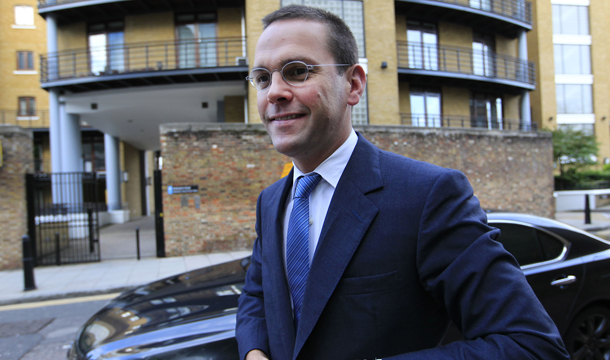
x: 488, y: 97
x: 562, y: 255
x: 29, y: 55
x: 29, y: 110
x: 427, y: 92
x: 196, y: 21
x: 105, y: 30
x: 18, y: 17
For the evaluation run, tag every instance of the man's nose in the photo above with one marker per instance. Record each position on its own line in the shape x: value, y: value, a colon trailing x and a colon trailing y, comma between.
x: 279, y: 90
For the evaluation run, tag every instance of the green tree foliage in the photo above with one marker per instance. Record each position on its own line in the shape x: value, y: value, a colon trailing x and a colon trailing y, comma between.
x: 573, y: 149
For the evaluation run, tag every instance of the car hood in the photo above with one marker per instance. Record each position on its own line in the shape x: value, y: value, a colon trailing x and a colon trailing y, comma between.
x: 192, y: 307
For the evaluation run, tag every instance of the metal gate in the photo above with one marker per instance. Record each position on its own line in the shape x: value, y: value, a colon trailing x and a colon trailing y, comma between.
x: 63, y: 217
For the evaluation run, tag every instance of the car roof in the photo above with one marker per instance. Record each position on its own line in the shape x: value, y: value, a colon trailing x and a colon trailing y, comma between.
x: 540, y: 222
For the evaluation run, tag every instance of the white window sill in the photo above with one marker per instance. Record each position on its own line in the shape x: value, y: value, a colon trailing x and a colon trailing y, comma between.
x: 23, y: 26
x: 573, y: 79
x: 571, y: 2
x: 572, y: 39
x: 28, y: 118
x: 25, y: 72
x: 575, y: 118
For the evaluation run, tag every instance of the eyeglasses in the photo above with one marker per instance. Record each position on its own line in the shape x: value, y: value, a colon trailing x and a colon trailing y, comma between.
x: 294, y: 73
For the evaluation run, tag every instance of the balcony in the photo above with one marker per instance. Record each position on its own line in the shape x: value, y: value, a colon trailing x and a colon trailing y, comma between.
x: 37, y: 119
x: 460, y: 121
x: 145, y: 64
x: 506, y: 17
x: 68, y: 11
x: 435, y: 65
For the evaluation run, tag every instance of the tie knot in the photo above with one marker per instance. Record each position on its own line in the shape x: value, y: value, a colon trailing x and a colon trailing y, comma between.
x: 306, y: 184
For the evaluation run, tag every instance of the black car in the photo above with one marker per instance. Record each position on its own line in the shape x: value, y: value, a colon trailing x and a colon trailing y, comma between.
x: 192, y: 315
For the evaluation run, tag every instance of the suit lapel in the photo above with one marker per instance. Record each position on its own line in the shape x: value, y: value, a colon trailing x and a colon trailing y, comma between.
x: 348, y: 218
x: 279, y: 304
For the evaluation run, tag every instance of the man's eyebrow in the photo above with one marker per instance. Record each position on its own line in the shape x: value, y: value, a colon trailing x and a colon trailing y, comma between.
x: 285, y: 61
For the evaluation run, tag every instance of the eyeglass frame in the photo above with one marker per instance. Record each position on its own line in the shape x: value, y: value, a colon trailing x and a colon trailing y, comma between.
x: 307, y: 66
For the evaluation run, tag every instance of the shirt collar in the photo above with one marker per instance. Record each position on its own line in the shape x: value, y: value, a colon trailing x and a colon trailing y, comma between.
x: 332, y: 168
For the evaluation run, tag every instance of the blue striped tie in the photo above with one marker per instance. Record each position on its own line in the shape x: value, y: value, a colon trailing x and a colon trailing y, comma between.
x: 297, y: 243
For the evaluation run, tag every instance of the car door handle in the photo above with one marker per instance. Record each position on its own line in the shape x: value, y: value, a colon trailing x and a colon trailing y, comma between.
x: 564, y: 281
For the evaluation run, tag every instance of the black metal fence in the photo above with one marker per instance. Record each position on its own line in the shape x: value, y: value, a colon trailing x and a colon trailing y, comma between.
x: 143, y: 57
x: 457, y: 121
x: 63, y: 217
x: 515, y: 9
x: 462, y: 60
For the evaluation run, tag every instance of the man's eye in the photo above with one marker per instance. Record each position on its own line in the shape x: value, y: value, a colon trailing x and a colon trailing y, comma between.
x: 261, y: 79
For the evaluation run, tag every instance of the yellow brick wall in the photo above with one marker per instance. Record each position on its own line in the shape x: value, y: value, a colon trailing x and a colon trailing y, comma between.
x: 599, y: 11
x: 234, y: 109
x: 255, y: 11
x: 229, y: 22
x: 456, y: 101
x: 14, y: 85
x: 149, y: 27
x: 540, y: 51
x: 380, y: 46
x: 511, y: 104
x: 133, y: 194
x: 507, y: 46
x: 72, y: 36
x: 454, y: 35
x: 401, y: 27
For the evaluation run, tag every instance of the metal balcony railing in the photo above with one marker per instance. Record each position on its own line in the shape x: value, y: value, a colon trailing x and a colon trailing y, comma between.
x: 520, y: 10
x: 45, y: 3
x: 29, y: 119
x: 460, y: 121
x: 145, y: 57
x: 460, y: 60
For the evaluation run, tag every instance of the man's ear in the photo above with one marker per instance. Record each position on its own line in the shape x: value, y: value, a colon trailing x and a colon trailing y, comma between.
x: 357, y: 80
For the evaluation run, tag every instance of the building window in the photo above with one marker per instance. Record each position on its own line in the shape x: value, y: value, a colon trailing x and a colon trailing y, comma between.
x: 27, y: 106
x: 486, y: 111
x: 483, y: 46
x: 93, y: 151
x: 572, y: 59
x: 425, y: 107
x: 197, y: 40
x: 25, y: 60
x: 423, y: 45
x: 570, y: 20
x: 24, y: 16
x: 106, y: 48
x: 574, y: 99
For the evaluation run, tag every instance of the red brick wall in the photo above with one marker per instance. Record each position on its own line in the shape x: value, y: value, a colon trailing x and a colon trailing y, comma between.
x: 232, y: 163
x: 18, y: 158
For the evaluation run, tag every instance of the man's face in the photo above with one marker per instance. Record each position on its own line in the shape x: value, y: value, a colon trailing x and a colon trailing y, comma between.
x: 307, y: 122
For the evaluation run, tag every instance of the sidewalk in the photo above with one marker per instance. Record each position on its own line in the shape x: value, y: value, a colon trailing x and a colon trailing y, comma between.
x: 119, y: 269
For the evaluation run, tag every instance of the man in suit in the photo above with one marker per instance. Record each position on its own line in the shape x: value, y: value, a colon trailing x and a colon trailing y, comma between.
x: 361, y: 253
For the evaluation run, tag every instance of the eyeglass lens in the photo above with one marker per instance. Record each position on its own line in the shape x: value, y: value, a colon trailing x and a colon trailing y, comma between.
x: 294, y: 73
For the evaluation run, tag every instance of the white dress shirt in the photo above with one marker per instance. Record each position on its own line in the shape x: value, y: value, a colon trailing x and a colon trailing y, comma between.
x: 331, y: 170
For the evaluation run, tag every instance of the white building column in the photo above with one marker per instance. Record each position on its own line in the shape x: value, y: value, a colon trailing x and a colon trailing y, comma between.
x: 526, y: 117
x: 113, y: 172
x: 71, y: 141
x: 52, y: 68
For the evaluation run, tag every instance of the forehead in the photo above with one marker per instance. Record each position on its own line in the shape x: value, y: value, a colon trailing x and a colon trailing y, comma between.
x: 287, y: 40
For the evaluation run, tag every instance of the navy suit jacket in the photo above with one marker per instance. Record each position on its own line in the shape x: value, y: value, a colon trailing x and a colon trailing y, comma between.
x: 404, y: 249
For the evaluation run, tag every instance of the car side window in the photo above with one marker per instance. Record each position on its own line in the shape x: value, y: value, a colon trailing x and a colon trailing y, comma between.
x: 551, y: 247
x: 521, y: 242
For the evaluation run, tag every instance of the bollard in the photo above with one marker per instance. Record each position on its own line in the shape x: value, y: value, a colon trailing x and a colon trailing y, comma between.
x: 587, y: 210
x: 28, y: 264
x: 57, y: 250
x: 90, y: 229
x: 138, y: 241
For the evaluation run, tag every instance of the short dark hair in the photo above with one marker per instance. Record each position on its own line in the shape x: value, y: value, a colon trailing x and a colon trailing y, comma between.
x: 341, y: 42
